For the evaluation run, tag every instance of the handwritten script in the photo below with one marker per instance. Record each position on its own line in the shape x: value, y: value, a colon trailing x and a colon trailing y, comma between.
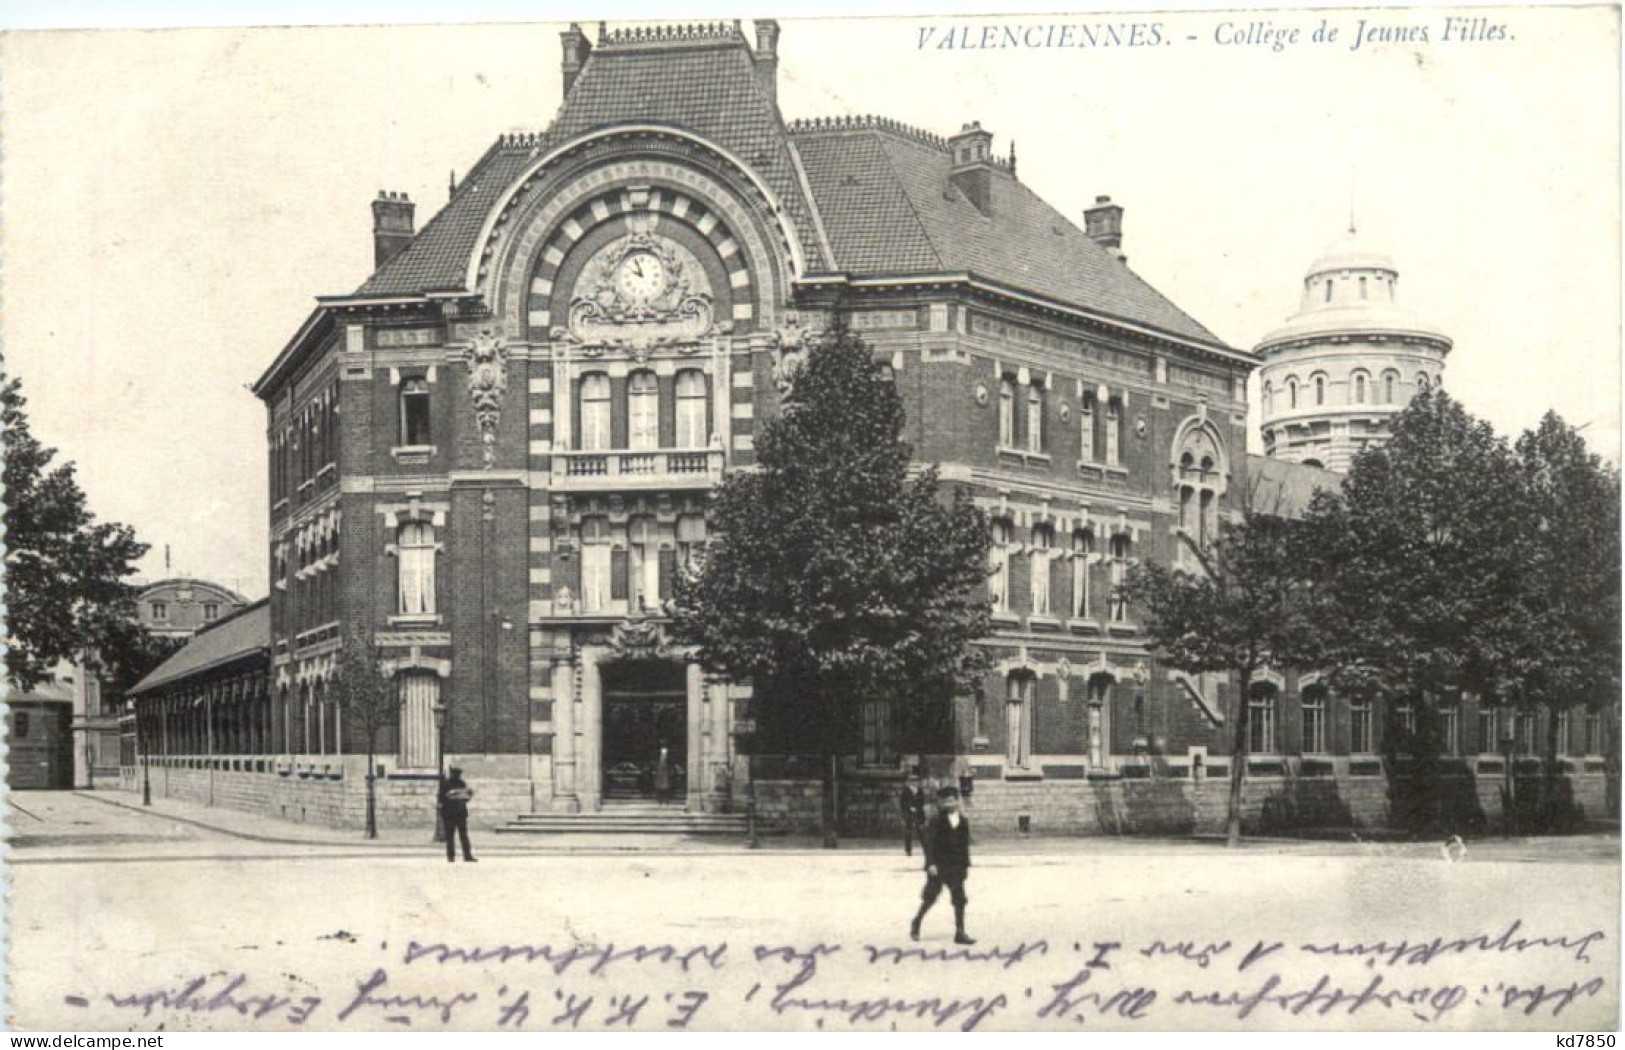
x: 1510, y: 976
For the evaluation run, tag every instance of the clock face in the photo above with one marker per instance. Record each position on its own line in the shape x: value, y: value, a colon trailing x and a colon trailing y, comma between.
x: 641, y: 276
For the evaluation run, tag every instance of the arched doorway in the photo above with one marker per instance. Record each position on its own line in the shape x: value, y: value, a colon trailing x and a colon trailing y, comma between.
x: 645, y: 709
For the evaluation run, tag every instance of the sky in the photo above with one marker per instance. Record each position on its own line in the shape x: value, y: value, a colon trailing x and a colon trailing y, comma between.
x: 173, y: 200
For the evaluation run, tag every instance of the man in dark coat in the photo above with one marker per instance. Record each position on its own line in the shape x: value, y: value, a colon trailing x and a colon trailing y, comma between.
x: 912, y: 802
x: 454, y: 796
x: 947, y: 863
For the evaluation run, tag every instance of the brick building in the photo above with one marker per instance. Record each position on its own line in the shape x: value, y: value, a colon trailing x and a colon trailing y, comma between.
x: 495, y: 453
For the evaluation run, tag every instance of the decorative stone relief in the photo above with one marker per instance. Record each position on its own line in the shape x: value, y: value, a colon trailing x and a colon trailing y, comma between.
x: 487, y: 388
x: 791, y: 344
x: 639, y: 638
x: 981, y: 395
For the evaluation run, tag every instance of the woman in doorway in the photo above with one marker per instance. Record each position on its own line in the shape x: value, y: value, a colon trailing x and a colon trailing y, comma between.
x: 663, y: 775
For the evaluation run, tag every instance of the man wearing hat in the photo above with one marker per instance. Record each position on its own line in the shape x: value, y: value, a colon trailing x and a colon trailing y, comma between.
x: 947, y: 862
x: 454, y: 796
x: 912, y: 802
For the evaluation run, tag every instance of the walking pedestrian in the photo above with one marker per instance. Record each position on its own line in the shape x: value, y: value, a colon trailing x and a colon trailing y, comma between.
x: 912, y: 802
x: 454, y: 796
x: 947, y: 863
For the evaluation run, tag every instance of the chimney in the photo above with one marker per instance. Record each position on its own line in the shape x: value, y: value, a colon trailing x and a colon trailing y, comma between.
x: 972, y: 170
x: 1104, y: 225
x: 391, y: 226
x: 766, y: 58
x: 576, y: 49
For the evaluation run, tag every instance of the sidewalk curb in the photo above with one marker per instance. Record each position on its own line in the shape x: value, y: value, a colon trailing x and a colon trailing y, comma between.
x: 234, y: 833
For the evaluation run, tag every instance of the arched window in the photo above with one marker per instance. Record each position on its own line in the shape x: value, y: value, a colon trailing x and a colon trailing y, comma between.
x: 415, y: 411
x: 1292, y: 392
x: 642, y: 410
x: 1389, y: 381
x: 999, y: 576
x: 595, y: 432
x: 419, y: 740
x: 691, y: 429
x: 1114, y: 432
x: 595, y: 564
x: 1043, y: 544
x: 1086, y: 428
x: 1328, y: 289
x: 1261, y: 701
x: 1313, y: 703
x: 1007, y: 412
x: 415, y: 554
x: 1359, y: 388
x: 1018, y: 721
x: 1422, y: 382
x: 1099, y: 692
x: 1035, y: 418
x: 1120, y: 562
x: 644, y: 550
x: 1083, y: 549
x: 1320, y: 390
x: 1362, y: 287
x: 1269, y: 398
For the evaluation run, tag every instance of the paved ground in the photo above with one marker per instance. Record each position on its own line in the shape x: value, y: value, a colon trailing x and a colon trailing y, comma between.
x: 126, y: 919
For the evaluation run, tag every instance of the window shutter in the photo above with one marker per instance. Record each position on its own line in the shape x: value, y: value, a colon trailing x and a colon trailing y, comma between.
x: 617, y: 575
x: 617, y: 414
x: 668, y: 573
x: 668, y: 411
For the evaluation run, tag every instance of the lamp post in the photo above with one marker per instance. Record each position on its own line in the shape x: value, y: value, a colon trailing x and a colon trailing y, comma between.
x: 146, y: 766
x: 439, y: 710
x: 1509, y: 748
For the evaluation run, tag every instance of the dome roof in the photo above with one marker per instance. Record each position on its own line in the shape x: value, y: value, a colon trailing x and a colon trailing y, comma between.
x: 1350, y: 253
x: 1351, y: 290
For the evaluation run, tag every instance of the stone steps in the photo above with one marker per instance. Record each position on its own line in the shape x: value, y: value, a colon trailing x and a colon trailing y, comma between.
x: 628, y: 819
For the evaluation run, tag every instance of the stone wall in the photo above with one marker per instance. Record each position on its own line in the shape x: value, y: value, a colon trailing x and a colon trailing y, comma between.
x: 1161, y: 805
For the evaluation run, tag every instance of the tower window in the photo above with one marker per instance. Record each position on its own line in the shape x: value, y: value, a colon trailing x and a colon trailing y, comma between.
x: 1362, y: 287
x: 1328, y: 289
x: 1359, y: 390
x: 1320, y: 390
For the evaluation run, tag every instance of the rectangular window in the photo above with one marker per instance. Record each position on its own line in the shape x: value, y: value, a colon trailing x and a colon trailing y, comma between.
x: 595, y: 565
x: 691, y: 409
x: 643, y: 411
x: 595, y: 414
x: 1489, y: 737
x: 415, y: 554
x: 211, y: 610
x: 20, y: 725
x: 1042, y: 544
x: 998, y: 580
x: 1360, y: 742
x: 1314, y: 722
x: 645, y: 567
x: 1526, y: 733
x: 1114, y: 432
x: 1083, y: 545
x: 1593, y: 734
x: 415, y: 411
x: 879, y: 748
x: 160, y: 611
x: 1261, y: 722
x: 1450, y: 730
x: 1563, y: 743
x: 1035, y: 418
x: 1086, y: 429
x: 1007, y: 413
x: 1120, y: 548
x: 1018, y: 721
x: 419, y: 744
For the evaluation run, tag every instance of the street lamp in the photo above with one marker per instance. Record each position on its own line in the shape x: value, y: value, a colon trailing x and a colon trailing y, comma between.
x: 146, y: 766
x: 439, y: 710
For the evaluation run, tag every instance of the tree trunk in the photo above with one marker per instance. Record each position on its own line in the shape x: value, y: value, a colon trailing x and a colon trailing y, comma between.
x: 1550, y: 816
x: 831, y: 800
x: 1238, y: 762
x: 372, y: 790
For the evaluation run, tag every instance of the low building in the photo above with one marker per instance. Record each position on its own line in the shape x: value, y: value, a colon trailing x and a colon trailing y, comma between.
x: 39, y: 737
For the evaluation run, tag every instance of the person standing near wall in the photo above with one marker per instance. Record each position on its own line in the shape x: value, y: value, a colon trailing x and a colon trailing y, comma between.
x: 454, y: 797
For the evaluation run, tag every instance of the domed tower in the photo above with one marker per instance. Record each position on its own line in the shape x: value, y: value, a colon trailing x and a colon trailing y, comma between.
x: 1351, y: 358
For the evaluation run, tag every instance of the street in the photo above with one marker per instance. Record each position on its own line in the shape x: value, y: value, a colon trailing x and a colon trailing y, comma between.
x: 129, y: 919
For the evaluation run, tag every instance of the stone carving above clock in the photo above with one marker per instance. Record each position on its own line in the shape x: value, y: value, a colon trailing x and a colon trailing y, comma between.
x: 641, y: 292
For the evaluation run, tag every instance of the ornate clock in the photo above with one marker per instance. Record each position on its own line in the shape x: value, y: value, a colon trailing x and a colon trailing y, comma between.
x: 641, y: 276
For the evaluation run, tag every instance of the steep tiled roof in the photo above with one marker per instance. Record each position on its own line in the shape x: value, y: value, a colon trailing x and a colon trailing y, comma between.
x: 1279, y: 486
x: 889, y: 207
x: 236, y: 637
x: 706, y: 85
x: 437, y: 258
x: 709, y: 88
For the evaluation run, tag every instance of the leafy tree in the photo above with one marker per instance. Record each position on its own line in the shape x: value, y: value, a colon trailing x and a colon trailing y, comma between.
x: 1243, y: 609
x: 370, y: 700
x: 839, y: 575
x: 1570, y: 593
x: 65, y: 571
x: 1417, y: 563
